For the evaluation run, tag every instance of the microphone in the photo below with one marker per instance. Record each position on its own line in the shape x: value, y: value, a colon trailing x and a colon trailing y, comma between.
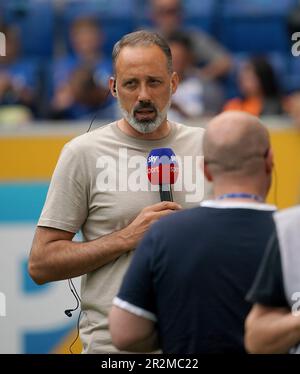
x: 162, y: 170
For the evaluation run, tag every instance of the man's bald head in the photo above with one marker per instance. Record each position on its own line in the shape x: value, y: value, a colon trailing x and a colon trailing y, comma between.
x: 235, y: 142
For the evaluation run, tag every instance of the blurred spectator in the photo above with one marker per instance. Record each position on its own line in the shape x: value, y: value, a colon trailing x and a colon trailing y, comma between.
x: 81, y: 79
x: 18, y: 77
x: 292, y: 107
x: 260, y: 93
x: 167, y: 17
x: 194, y: 97
x: 293, y: 19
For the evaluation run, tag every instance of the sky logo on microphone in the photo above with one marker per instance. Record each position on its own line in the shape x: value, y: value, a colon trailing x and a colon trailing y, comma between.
x: 152, y: 159
x: 161, y: 156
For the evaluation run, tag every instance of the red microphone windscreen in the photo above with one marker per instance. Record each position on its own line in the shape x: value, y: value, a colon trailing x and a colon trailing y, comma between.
x: 162, y: 167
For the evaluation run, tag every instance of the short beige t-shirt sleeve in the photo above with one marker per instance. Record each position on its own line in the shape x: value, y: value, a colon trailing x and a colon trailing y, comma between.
x: 66, y: 206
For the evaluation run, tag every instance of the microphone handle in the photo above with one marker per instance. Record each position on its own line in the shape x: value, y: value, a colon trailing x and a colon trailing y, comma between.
x: 165, y: 192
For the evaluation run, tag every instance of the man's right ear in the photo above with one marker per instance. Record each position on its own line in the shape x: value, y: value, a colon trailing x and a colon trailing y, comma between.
x: 113, y: 86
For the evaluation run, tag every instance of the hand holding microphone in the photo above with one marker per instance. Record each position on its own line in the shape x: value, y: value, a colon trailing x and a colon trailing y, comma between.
x: 134, y: 232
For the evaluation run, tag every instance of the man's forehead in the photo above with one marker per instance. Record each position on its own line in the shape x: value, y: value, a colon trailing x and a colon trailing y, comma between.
x: 141, y: 64
x: 128, y: 76
x: 141, y: 54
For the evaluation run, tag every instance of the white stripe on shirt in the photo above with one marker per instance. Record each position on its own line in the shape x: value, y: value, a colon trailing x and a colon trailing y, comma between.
x: 134, y: 309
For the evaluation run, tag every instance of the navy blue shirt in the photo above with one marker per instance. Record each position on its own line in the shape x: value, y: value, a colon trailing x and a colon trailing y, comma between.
x: 191, y: 273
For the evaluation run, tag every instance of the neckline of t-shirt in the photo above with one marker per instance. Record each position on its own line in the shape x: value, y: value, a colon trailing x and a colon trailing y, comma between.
x: 136, y: 141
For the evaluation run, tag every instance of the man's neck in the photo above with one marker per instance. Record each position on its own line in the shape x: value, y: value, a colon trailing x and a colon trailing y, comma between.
x: 163, y: 130
x: 239, y: 193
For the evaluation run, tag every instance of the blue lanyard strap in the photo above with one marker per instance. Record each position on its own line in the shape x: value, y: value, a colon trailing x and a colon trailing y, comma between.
x: 240, y: 196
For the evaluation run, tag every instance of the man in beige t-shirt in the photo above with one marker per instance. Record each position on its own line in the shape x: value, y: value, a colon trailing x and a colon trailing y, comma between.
x: 100, y: 186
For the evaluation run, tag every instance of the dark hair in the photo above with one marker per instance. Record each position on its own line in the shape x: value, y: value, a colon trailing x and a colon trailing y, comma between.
x: 266, y: 76
x: 143, y: 38
x: 181, y: 38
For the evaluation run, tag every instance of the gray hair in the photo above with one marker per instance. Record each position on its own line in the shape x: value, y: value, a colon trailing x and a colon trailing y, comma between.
x: 143, y: 38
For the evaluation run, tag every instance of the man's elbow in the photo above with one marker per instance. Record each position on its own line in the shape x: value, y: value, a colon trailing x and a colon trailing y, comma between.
x: 121, y: 342
x: 251, y: 338
x: 36, y: 271
x: 248, y: 337
x: 249, y: 343
x: 254, y: 346
x: 123, y: 337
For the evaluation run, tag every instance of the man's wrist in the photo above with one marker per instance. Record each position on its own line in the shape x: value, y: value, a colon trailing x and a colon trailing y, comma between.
x: 124, y: 237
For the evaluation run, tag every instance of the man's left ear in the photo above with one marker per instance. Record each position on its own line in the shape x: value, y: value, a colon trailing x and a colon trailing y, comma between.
x: 174, y: 82
x: 269, y: 161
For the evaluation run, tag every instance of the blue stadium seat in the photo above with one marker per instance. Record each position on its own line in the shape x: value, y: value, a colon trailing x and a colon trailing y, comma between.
x: 200, y: 14
x: 293, y: 78
x: 105, y: 8
x: 35, y: 18
x: 255, y: 26
x: 254, y: 34
x: 199, y: 8
x: 115, y: 20
x: 257, y: 7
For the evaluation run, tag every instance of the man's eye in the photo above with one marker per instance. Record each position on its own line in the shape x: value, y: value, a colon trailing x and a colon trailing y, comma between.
x: 155, y: 82
x: 130, y: 84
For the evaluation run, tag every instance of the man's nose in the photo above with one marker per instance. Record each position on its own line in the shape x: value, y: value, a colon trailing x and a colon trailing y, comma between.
x: 143, y: 93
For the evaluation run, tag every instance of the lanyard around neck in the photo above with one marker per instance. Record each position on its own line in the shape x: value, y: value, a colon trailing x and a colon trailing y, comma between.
x: 240, y: 195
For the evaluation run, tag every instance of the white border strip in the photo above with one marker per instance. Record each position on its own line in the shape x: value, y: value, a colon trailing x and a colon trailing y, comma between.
x: 134, y: 309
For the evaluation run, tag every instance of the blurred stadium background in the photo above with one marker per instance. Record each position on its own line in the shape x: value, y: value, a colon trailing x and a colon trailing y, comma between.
x: 29, y: 147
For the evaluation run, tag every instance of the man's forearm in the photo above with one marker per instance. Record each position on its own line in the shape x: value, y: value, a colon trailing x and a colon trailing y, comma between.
x: 55, y: 257
x: 273, y: 332
x: 63, y: 259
